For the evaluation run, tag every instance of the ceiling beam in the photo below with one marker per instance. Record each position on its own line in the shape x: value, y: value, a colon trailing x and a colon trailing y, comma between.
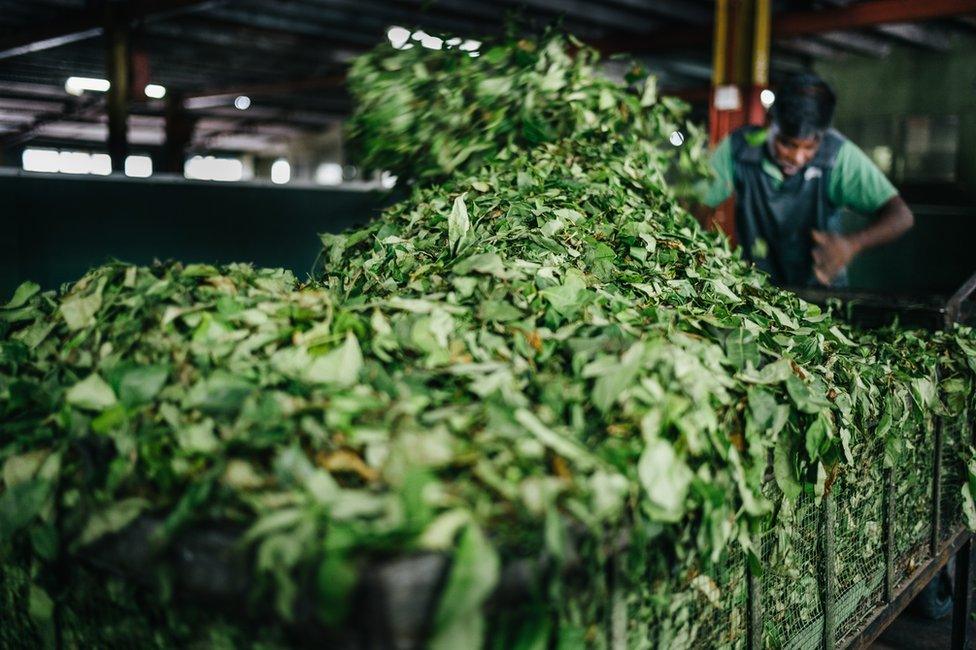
x: 382, y: 14
x: 276, y: 20
x: 857, y: 43
x: 688, y: 12
x: 810, y: 47
x: 28, y: 131
x: 90, y: 25
x: 869, y: 13
x: 317, y: 82
x: 593, y: 13
x: 920, y: 35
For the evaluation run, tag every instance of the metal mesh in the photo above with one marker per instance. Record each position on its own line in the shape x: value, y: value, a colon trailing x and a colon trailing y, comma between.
x: 646, y: 625
x: 110, y: 612
x: 17, y: 631
x: 714, y: 608
x: 99, y: 611
x: 687, y: 606
x: 859, y: 537
x: 955, y: 439
x: 913, y: 501
x: 697, y: 607
x: 791, y: 596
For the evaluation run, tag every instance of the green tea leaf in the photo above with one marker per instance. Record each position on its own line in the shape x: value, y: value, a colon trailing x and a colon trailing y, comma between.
x: 91, y: 394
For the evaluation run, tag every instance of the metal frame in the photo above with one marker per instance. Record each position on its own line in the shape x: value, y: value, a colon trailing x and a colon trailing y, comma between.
x: 885, y: 614
x: 896, y: 599
x: 959, y: 544
x: 953, y: 309
x: 208, y: 566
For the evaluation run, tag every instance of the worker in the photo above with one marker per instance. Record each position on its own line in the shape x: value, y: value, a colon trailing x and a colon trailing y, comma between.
x: 792, y: 178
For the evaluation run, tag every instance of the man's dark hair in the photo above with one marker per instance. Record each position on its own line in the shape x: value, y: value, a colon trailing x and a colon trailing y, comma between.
x: 804, y: 106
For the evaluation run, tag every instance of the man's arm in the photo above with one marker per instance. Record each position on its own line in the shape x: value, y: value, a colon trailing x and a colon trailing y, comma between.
x: 713, y: 191
x: 834, y: 252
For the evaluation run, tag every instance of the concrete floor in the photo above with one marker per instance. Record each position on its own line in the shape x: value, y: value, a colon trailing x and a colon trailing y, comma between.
x: 912, y: 632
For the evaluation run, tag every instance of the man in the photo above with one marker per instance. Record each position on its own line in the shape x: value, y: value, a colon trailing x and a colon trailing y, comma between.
x: 792, y: 179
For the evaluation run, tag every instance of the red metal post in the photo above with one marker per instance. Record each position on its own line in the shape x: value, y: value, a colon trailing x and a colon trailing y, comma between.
x: 740, y: 72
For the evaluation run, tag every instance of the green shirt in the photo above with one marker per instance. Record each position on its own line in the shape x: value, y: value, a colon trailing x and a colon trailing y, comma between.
x: 856, y: 183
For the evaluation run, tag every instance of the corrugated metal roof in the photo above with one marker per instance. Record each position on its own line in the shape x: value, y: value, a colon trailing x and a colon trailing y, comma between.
x: 287, y: 54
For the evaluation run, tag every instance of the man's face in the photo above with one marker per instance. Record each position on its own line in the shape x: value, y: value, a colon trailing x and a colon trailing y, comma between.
x: 793, y: 154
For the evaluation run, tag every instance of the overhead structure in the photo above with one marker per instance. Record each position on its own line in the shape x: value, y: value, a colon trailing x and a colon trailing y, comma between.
x: 90, y: 25
x: 289, y: 58
x: 118, y: 59
x: 740, y: 74
x: 856, y: 15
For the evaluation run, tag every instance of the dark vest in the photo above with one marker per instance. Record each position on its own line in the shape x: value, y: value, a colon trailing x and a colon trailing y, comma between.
x: 774, y: 224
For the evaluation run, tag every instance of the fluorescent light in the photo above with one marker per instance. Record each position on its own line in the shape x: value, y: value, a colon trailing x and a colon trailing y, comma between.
x: 242, y: 103
x: 280, y: 172
x: 66, y: 162
x: 329, y: 174
x: 677, y: 138
x: 101, y: 164
x: 155, y: 91
x: 74, y: 162
x: 398, y: 36
x: 767, y: 97
x: 78, y: 85
x: 209, y: 168
x: 40, y: 160
x: 428, y: 41
x: 138, y: 166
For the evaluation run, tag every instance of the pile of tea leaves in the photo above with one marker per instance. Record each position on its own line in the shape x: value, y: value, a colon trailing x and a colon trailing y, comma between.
x: 538, y: 354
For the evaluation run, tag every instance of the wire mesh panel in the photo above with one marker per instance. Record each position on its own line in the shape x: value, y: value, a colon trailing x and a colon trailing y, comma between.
x: 646, y: 624
x: 701, y: 607
x: 859, y: 534
x: 107, y: 611
x: 792, y: 606
x: 717, y: 602
x: 99, y: 611
x: 955, y: 439
x: 17, y: 631
x: 686, y: 606
x: 913, y: 474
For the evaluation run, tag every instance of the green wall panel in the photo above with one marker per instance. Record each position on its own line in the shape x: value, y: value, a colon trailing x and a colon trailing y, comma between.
x: 934, y: 257
x: 53, y: 228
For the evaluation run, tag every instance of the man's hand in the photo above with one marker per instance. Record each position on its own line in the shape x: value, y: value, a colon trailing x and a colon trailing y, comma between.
x: 831, y: 255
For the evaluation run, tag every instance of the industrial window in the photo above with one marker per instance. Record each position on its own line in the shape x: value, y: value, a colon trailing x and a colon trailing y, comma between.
x: 931, y: 144
x: 913, y: 149
x: 67, y: 161
x: 212, y: 168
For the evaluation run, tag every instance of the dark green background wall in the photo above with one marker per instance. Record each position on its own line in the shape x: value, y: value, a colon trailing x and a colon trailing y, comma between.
x: 911, y: 82
x: 935, y: 257
x: 53, y: 228
x: 875, y: 98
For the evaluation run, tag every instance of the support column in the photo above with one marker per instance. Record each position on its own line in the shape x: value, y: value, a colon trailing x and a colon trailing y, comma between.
x: 740, y: 72
x: 117, y: 65
x: 888, y: 529
x: 962, y: 596
x: 754, y: 590
x: 829, y: 519
x: 179, y: 134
